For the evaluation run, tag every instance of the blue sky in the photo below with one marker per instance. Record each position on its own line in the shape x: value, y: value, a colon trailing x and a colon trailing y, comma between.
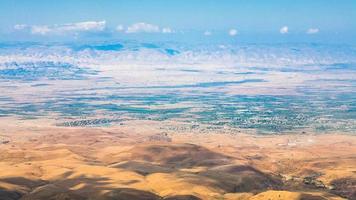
x: 250, y: 20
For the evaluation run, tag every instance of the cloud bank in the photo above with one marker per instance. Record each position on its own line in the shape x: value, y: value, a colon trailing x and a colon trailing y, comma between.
x: 100, y: 27
x: 89, y: 27
x: 62, y: 29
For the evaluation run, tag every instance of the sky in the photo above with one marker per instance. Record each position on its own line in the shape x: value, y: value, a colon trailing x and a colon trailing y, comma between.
x: 211, y: 20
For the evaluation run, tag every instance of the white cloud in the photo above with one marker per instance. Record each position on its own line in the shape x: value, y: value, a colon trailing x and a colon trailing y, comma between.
x: 81, y: 26
x: 120, y: 28
x: 207, y: 33
x: 312, y: 31
x: 143, y: 27
x: 40, y: 30
x: 167, y: 30
x: 60, y: 29
x: 20, y: 26
x: 284, y: 30
x: 232, y: 32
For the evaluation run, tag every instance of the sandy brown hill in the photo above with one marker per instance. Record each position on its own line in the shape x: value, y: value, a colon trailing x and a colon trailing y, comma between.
x: 96, y: 164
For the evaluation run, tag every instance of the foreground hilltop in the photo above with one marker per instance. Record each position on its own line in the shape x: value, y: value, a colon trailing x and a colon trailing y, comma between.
x: 139, y: 162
